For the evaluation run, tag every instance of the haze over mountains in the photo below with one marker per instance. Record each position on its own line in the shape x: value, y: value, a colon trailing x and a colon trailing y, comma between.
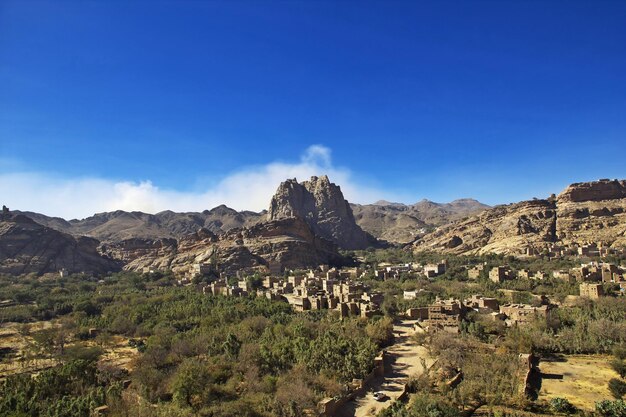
x: 306, y: 225
x: 392, y: 222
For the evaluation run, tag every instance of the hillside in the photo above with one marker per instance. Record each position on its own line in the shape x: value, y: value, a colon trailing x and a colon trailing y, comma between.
x: 29, y: 247
x: 119, y: 225
x: 400, y: 223
x: 582, y: 213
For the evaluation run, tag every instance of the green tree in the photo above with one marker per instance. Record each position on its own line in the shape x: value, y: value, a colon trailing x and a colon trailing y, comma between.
x: 190, y: 383
x: 231, y: 346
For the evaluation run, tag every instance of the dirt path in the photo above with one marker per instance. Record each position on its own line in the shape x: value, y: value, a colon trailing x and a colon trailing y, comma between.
x: 403, y: 360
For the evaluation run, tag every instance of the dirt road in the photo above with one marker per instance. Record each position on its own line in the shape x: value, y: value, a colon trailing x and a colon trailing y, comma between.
x: 403, y: 359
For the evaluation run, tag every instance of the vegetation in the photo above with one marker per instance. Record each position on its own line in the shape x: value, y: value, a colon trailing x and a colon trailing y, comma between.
x: 222, y: 356
x: 201, y: 355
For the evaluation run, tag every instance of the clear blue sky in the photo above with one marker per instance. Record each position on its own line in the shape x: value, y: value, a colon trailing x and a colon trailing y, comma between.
x: 498, y: 100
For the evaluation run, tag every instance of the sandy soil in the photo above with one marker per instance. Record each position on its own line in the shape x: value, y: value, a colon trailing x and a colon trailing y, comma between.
x: 19, y: 356
x: 119, y: 354
x: 403, y: 361
x: 582, y: 379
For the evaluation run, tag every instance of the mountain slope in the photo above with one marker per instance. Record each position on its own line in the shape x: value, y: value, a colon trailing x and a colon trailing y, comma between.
x: 400, y: 223
x: 119, y: 225
x: 29, y: 247
x: 290, y: 242
x: 582, y: 213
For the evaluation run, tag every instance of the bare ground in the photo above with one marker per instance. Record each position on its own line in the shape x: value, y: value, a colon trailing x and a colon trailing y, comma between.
x: 582, y: 379
x: 403, y: 360
x: 19, y: 355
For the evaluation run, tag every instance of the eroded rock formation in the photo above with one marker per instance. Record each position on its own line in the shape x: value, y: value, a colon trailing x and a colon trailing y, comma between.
x: 582, y: 213
x: 290, y: 241
x: 321, y: 204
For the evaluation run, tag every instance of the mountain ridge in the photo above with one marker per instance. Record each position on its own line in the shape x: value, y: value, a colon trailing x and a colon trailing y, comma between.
x: 586, y: 212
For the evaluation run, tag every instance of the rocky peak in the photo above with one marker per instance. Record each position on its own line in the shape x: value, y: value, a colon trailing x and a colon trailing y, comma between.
x: 322, y: 205
x: 603, y: 189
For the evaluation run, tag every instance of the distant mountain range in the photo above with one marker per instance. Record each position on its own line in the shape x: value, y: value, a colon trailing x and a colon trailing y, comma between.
x: 392, y: 222
x: 306, y: 225
x: 119, y: 225
x: 400, y: 223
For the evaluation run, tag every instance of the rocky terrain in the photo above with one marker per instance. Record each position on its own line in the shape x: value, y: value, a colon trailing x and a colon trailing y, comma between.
x: 401, y: 223
x: 306, y: 224
x: 303, y: 228
x: 322, y: 205
x: 289, y: 241
x: 593, y: 212
x: 29, y: 247
x: 119, y: 225
x: 582, y: 213
x: 391, y: 222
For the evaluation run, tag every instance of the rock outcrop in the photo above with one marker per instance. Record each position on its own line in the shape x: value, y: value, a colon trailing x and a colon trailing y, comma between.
x: 593, y: 212
x: 502, y: 229
x: 594, y: 191
x: 290, y: 242
x: 29, y: 247
x: 582, y: 213
x: 322, y: 206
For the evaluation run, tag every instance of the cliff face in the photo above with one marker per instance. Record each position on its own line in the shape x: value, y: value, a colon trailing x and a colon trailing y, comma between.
x: 593, y: 212
x: 594, y: 191
x: 322, y: 206
x: 583, y: 212
x: 29, y: 247
x: 288, y: 241
x: 502, y: 229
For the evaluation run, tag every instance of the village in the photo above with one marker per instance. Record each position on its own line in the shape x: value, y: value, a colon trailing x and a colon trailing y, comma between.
x: 477, y: 300
x: 343, y: 290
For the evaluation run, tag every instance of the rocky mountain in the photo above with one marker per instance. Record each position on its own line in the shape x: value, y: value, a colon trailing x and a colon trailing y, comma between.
x: 582, y: 213
x: 29, y: 247
x: 592, y: 212
x: 322, y: 206
x: 290, y: 242
x: 120, y: 225
x: 401, y: 223
x: 306, y: 224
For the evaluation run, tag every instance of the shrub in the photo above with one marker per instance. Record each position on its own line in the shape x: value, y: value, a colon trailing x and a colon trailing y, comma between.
x: 608, y: 408
x: 619, y: 351
x: 619, y: 366
x: 617, y: 388
x: 562, y: 405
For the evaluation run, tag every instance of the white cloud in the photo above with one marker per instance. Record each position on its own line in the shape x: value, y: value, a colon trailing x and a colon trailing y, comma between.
x: 250, y: 188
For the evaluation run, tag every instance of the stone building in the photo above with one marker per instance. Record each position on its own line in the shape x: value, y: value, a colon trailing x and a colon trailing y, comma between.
x: 590, y: 290
x: 520, y: 314
x: 474, y: 272
x: 480, y: 303
x: 445, y: 315
x: 432, y: 270
x: 499, y: 273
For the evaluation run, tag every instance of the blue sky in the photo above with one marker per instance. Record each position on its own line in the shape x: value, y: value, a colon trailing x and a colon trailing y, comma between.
x: 151, y: 105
